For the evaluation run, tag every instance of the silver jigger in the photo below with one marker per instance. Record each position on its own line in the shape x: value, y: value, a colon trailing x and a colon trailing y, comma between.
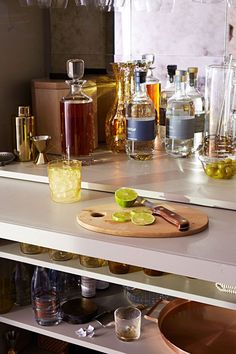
x: 41, y: 144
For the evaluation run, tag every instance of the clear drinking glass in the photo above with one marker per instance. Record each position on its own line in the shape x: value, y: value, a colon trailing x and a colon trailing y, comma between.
x: 57, y: 255
x: 220, y: 95
x: 127, y: 323
x: 65, y: 180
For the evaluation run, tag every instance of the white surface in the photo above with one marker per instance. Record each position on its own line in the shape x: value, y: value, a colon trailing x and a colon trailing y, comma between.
x: 165, y: 178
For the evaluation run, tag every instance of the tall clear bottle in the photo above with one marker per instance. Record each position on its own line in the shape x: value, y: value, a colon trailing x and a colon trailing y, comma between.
x: 77, y: 116
x: 140, y: 120
x: 45, y: 299
x: 166, y: 93
x: 180, y: 119
x: 199, y: 106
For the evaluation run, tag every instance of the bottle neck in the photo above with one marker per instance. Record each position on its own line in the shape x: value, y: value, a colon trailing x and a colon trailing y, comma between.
x: 192, y: 82
x: 180, y: 88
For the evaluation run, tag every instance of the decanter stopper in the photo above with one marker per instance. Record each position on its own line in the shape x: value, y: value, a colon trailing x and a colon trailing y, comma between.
x: 75, y: 68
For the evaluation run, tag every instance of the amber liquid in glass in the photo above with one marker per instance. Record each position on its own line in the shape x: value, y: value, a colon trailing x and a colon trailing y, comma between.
x: 77, y: 129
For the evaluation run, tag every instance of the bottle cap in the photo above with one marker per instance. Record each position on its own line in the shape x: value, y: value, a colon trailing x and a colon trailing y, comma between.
x: 23, y: 111
x: 193, y: 70
x: 171, y: 69
x: 75, y: 68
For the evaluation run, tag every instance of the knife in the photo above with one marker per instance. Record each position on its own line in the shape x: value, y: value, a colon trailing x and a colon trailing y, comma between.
x: 181, y: 222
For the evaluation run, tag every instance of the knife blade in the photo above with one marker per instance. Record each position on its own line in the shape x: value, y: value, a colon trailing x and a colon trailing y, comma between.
x: 178, y: 220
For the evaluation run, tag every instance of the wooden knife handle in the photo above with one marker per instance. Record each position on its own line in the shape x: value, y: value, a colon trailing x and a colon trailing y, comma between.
x: 173, y: 218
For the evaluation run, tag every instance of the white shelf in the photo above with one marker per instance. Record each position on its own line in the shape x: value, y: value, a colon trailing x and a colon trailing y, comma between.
x: 168, y: 284
x: 165, y: 178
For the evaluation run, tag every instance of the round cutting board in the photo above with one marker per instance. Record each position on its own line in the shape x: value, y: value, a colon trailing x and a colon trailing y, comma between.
x: 99, y: 218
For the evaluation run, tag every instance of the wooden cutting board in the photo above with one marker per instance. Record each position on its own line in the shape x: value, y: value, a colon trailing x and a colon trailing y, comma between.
x: 99, y: 218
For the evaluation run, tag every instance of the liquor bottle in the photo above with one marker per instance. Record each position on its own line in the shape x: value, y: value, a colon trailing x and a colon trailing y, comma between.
x: 45, y: 299
x: 115, y: 125
x: 180, y: 119
x: 140, y: 120
x: 199, y: 106
x: 77, y: 117
x: 153, y: 84
x: 166, y: 93
x: 22, y: 284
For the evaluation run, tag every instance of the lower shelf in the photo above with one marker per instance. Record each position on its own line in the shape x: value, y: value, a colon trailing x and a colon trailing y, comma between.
x: 104, y: 339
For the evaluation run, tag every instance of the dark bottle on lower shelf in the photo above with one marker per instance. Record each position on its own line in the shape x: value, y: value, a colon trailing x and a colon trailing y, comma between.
x: 22, y: 284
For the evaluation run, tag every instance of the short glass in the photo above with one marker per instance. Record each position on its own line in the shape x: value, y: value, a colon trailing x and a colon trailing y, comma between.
x: 118, y: 268
x: 27, y: 248
x: 91, y: 262
x: 65, y: 180
x: 57, y: 255
x: 127, y: 323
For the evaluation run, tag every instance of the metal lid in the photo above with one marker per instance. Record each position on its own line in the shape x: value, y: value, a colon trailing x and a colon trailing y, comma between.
x: 23, y: 111
x: 193, y: 70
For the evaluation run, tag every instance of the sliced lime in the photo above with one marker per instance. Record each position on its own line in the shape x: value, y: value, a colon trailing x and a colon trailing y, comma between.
x: 125, y: 197
x: 141, y: 210
x: 142, y: 219
x: 121, y: 216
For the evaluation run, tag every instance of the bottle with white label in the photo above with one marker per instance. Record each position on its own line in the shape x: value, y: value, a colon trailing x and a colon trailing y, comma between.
x: 199, y: 106
x: 140, y: 120
x: 180, y: 119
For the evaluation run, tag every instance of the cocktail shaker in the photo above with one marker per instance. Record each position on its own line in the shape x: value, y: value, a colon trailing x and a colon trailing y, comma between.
x: 25, y: 129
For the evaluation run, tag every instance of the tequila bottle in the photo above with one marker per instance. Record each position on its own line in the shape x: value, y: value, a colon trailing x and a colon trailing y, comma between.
x: 166, y: 93
x: 199, y: 106
x: 180, y: 119
x: 140, y: 120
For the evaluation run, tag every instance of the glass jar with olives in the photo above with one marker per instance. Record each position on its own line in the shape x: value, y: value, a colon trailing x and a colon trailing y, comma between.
x: 219, y: 168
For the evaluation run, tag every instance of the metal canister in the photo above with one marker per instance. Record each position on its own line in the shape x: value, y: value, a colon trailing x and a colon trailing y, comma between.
x: 25, y: 129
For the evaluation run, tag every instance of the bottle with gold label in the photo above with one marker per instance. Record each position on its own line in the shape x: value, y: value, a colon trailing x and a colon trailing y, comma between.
x: 25, y: 129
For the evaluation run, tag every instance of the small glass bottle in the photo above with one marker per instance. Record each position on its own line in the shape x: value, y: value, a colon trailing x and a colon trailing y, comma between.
x: 77, y: 117
x: 45, y: 299
x: 166, y: 93
x: 140, y: 120
x: 180, y: 119
x: 88, y: 287
x: 199, y: 106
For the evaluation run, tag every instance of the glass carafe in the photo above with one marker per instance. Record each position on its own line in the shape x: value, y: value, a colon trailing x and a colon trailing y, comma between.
x: 77, y: 117
x: 115, y: 125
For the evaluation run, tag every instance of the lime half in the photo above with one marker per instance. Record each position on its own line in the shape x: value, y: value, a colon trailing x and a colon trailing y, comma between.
x: 125, y: 197
x: 142, y: 219
x: 121, y: 216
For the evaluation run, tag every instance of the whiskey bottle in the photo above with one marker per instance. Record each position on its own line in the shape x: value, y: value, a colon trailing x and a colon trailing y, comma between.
x: 199, y: 107
x: 140, y: 120
x: 166, y: 93
x: 180, y: 119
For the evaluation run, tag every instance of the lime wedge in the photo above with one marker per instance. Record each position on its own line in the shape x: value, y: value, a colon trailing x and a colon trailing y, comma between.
x: 142, y: 219
x: 125, y: 197
x: 121, y: 216
x: 140, y: 210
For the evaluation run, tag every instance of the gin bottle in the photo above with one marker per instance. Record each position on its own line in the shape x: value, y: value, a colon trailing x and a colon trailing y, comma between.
x: 180, y: 119
x: 199, y: 107
x: 140, y: 120
x: 166, y: 93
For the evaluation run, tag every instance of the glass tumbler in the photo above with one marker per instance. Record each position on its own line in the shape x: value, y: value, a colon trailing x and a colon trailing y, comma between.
x: 57, y: 255
x: 127, y: 323
x: 220, y: 95
x: 65, y: 180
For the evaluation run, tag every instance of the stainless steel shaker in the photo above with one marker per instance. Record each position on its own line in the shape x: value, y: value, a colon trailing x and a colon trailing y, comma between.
x: 25, y: 129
